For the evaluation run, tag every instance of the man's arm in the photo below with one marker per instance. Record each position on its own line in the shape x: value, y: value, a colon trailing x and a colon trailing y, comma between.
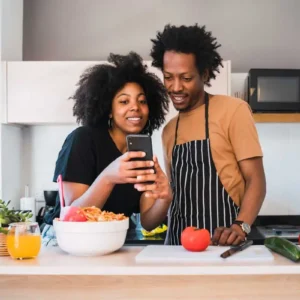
x: 255, y: 191
x: 156, y: 199
x: 245, y: 144
x: 154, y: 211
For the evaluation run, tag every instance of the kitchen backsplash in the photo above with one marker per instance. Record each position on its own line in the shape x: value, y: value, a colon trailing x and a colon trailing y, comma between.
x: 11, y: 163
x: 41, y: 147
x: 281, y: 144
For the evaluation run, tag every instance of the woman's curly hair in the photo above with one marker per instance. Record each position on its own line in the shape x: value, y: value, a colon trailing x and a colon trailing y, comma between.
x: 188, y: 39
x: 99, y: 84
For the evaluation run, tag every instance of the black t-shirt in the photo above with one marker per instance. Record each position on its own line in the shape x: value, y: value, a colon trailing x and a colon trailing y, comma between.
x: 85, y: 153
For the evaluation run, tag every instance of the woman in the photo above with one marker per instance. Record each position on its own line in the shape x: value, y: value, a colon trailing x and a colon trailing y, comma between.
x: 112, y: 101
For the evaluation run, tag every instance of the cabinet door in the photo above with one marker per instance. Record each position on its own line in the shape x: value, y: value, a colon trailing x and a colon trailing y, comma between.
x: 38, y: 92
x: 222, y: 84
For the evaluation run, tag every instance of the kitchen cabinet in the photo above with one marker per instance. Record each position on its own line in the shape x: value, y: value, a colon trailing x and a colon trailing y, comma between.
x: 276, y: 117
x: 38, y: 92
x: 222, y: 84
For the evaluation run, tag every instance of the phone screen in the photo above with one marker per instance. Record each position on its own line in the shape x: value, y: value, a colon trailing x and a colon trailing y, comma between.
x: 140, y: 142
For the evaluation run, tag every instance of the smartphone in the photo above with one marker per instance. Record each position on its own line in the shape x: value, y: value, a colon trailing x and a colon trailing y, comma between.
x: 140, y: 142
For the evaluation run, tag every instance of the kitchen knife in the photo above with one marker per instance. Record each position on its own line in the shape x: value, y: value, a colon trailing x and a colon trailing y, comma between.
x: 236, y: 249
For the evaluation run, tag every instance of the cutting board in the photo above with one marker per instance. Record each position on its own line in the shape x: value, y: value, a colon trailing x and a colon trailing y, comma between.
x: 160, y: 253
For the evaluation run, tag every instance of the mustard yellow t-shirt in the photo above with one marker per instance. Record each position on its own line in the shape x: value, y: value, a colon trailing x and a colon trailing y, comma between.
x: 233, y: 137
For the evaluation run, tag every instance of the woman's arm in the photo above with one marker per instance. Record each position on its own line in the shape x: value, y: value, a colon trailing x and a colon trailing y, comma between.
x: 78, y: 194
x: 120, y: 171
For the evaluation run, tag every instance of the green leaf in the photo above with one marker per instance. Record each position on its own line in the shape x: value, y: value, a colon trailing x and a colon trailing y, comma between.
x: 10, y: 215
x: 2, y: 230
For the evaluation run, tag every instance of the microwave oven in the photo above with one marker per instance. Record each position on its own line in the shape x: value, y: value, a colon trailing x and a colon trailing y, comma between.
x: 274, y: 90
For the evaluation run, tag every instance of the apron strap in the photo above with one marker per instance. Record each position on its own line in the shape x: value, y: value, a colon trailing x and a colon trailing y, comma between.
x: 206, y: 116
x: 206, y: 121
x: 176, y: 129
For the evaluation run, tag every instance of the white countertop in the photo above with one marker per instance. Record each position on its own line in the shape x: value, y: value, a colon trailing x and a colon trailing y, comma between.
x: 53, y: 261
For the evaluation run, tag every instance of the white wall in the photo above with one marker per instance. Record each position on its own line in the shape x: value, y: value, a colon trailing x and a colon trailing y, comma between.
x: 253, y: 33
x: 281, y: 148
x: 41, y: 145
x: 11, y: 48
x: 0, y: 162
x: 11, y: 29
x: 11, y: 157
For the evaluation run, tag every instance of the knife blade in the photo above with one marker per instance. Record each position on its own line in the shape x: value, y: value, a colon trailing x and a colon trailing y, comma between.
x: 236, y: 249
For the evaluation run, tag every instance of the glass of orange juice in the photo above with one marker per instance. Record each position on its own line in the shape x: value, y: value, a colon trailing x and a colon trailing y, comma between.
x: 23, y: 240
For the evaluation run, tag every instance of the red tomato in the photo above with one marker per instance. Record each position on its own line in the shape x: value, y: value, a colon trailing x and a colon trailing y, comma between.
x: 299, y: 239
x: 195, y: 239
x: 74, y: 214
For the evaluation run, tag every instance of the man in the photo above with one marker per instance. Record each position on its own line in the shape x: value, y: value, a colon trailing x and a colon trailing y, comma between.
x: 212, y: 150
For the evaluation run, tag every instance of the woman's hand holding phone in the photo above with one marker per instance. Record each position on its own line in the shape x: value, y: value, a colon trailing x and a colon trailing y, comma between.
x: 127, y: 168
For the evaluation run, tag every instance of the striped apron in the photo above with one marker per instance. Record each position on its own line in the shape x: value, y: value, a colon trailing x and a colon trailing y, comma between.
x: 200, y: 199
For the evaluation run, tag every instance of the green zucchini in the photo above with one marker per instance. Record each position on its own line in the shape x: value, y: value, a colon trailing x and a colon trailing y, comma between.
x: 283, y: 247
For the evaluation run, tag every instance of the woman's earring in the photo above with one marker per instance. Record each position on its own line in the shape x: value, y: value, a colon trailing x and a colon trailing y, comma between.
x: 109, y: 123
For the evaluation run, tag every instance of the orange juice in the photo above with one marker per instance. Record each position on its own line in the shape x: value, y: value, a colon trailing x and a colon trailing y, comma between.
x: 23, y: 246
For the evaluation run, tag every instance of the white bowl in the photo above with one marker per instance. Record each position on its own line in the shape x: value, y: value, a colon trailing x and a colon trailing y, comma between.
x: 91, y: 238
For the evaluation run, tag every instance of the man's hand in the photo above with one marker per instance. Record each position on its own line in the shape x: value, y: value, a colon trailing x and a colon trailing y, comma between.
x: 228, y: 236
x: 160, y: 189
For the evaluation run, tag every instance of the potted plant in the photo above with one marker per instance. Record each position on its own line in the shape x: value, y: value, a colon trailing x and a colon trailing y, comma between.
x: 8, y: 216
